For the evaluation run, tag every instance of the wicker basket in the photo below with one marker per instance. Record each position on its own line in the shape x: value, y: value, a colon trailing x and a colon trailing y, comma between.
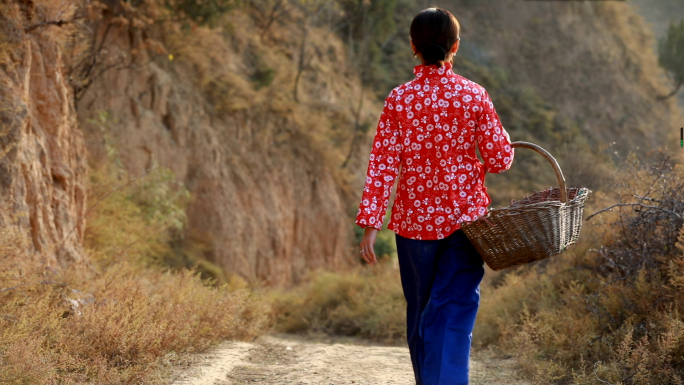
x: 533, y: 228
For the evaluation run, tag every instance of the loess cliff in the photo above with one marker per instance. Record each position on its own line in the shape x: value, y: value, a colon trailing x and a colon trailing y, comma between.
x: 217, y: 106
x: 42, y: 151
x: 263, y: 116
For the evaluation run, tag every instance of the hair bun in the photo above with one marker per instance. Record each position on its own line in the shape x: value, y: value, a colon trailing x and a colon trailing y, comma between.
x: 433, y: 52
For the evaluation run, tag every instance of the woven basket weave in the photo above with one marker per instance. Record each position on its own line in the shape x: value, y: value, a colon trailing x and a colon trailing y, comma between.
x: 530, y: 229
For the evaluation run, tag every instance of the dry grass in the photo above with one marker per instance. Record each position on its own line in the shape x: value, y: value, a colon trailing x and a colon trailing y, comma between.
x: 366, y: 302
x: 124, y: 319
x: 122, y: 325
x: 610, y: 308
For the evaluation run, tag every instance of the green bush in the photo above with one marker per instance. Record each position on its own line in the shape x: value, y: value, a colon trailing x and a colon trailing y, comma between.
x: 141, y: 219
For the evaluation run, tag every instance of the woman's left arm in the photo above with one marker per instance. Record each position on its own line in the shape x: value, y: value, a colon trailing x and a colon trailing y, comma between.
x: 383, y: 168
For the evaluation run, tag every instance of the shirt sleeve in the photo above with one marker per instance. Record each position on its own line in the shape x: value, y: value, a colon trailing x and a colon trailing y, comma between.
x: 383, y: 168
x: 492, y: 139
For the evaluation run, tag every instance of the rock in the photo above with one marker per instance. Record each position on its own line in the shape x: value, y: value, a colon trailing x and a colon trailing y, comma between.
x: 42, y: 151
x: 76, y: 302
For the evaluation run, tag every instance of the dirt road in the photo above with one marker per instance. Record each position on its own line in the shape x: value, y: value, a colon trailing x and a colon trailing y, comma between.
x: 287, y: 359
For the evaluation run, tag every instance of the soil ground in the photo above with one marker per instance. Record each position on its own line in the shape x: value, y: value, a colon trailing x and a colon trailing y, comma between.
x: 289, y: 359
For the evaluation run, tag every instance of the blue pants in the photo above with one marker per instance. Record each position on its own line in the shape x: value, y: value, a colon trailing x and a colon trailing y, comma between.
x: 441, y: 282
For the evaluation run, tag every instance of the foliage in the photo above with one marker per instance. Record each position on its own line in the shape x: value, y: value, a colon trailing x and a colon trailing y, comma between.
x: 141, y: 219
x: 671, y: 54
x: 202, y: 12
x: 132, y: 218
x: 161, y: 199
x: 263, y: 77
x: 377, y: 34
x: 366, y: 302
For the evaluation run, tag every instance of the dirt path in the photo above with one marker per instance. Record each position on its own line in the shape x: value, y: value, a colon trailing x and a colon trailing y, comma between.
x: 286, y: 359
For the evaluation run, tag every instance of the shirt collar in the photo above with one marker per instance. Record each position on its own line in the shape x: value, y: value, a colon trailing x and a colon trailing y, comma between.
x: 423, y: 70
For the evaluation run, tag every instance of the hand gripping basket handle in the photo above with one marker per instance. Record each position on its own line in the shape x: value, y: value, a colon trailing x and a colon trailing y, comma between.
x: 554, y: 163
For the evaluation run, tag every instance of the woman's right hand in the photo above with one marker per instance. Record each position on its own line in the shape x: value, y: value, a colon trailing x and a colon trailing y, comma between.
x: 367, y: 246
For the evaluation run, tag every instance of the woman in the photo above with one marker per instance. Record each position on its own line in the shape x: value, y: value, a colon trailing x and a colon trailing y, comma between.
x: 430, y: 126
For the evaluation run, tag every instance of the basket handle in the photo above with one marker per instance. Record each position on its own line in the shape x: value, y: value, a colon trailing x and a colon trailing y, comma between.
x: 554, y: 163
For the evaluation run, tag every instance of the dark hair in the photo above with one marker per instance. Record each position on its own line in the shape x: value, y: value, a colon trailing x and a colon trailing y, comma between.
x: 433, y: 32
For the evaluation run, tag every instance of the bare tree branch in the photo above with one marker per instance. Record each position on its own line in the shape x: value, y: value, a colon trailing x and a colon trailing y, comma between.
x: 596, y: 374
x: 635, y: 204
x: 62, y: 284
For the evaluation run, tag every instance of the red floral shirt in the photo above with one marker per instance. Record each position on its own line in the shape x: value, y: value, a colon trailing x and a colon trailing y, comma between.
x: 430, y: 126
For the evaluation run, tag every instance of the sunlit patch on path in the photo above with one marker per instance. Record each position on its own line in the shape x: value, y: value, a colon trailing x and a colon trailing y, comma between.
x: 286, y: 359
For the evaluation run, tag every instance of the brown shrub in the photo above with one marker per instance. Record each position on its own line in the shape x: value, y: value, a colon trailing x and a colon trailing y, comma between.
x: 609, y: 307
x: 367, y: 302
x: 119, y: 325
x: 124, y: 318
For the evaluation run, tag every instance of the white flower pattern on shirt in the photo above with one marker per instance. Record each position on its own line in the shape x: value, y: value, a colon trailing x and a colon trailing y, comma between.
x: 429, y: 126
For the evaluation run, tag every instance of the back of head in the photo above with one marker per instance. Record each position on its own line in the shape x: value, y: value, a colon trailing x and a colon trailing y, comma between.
x: 434, y: 31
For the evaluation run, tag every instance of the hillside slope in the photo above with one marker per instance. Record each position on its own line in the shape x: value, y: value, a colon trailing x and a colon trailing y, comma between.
x: 596, y: 78
x: 659, y: 14
x: 264, y: 170
x: 264, y: 162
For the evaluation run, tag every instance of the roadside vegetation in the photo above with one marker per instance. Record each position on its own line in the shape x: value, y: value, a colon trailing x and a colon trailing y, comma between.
x: 142, y: 304
x: 120, y: 325
x: 609, y: 309
x: 367, y: 302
